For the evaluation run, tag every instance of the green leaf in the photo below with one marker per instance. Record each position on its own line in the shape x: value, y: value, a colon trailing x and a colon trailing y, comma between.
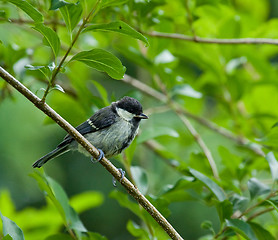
x: 183, y: 183
x: 179, y: 191
x: 257, y: 188
x: 218, y: 192
x: 239, y: 202
x: 242, y: 228
x: 10, y: 228
x: 58, y: 87
x: 7, y: 237
x: 273, y: 205
x: 58, y: 196
x: 29, y: 9
x: 136, y: 230
x: 224, y: 209
x: 71, y: 216
x: 130, y: 151
x: 271, y: 139
x: 72, y: 14
x: 93, y: 236
x: 50, y: 37
x: 68, y: 107
x: 86, y: 200
x: 273, y: 164
x: 261, y: 233
x: 103, y: 93
x: 55, y: 4
x: 124, y: 201
x: 139, y: 175
x: 45, y: 70
x: 45, y: 187
x: 3, y: 14
x: 59, y: 236
x: 6, y: 203
x: 112, y: 3
x: 102, y: 61
x: 208, y: 226
x: 156, y: 131
x: 119, y: 27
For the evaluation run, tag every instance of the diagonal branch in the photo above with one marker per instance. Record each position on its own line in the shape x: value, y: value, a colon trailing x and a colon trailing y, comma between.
x: 132, y: 190
x: 201, y: 143
x: 213, y: 40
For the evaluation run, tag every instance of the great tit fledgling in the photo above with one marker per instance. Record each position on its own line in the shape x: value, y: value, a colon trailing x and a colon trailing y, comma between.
x: 110, y: 129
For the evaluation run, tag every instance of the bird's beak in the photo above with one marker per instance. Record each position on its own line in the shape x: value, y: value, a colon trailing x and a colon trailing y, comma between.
x: 142, y: 116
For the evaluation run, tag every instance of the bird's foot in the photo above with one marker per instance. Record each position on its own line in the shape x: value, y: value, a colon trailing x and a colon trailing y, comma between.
x: 100, y: 156
x: 122, y: 172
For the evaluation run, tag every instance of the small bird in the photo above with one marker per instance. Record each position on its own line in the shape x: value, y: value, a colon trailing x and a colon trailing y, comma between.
x: 110, y: 130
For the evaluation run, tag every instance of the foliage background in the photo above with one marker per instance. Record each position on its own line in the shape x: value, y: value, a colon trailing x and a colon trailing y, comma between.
x: 232, y: 86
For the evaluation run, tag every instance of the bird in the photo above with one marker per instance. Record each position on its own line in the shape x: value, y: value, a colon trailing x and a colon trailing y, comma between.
x: 111, y: 130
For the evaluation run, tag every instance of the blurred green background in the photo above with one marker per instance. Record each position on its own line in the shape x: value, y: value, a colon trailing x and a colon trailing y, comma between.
x: 231, y: 86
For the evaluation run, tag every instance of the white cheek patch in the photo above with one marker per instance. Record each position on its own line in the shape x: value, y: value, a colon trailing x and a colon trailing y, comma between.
x: 91, y: 124
x: 125, y: 114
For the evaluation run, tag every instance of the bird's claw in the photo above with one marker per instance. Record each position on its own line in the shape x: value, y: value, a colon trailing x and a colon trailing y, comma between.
x: 122, y: 172
x: 100, y: 156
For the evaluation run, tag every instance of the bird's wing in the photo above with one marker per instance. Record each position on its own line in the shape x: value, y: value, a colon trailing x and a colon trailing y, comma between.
x: 101, y: 119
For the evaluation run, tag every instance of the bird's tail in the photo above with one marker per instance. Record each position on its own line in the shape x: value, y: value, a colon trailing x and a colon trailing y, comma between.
x: 53, y: 154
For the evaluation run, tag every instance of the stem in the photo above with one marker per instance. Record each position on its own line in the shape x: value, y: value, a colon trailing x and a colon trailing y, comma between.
x: 201, y: 143
x: 189, y: 126
x: 260, y: 213
x: 71, y: 232
x: 272, y: 194
x: 56, y: 71
x: 213, y: 40
x: 131, y: 189
x: 189, y: 18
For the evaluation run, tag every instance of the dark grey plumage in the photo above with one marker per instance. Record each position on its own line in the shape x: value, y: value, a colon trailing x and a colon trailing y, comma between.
x: 110, y: 129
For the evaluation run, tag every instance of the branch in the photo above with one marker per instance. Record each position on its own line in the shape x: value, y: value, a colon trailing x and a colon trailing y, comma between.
x: 132, y: 190
x: 260, y: 213
x: 213, y: 40
x: 211, y: 125
x: 31, y: 22
x: 201, y: 143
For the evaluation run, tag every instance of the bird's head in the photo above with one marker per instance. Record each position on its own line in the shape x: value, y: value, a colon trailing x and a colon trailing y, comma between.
x: 129, y: 108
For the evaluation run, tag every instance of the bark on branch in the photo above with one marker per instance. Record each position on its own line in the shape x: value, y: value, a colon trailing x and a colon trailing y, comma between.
x: 213, y: 40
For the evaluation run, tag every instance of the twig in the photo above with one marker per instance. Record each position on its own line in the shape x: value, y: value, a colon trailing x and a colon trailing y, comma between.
x: 213, y: 40
x: 270, y: 195
x: 189, y: 18
x: 56, y: 71
x: 190, y: 127
x: 201, y: 143
x: 132, y: 190
x: 145, y: 88
x: 157, y: 148
x: 214, y: 127
x: 260, y: 213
